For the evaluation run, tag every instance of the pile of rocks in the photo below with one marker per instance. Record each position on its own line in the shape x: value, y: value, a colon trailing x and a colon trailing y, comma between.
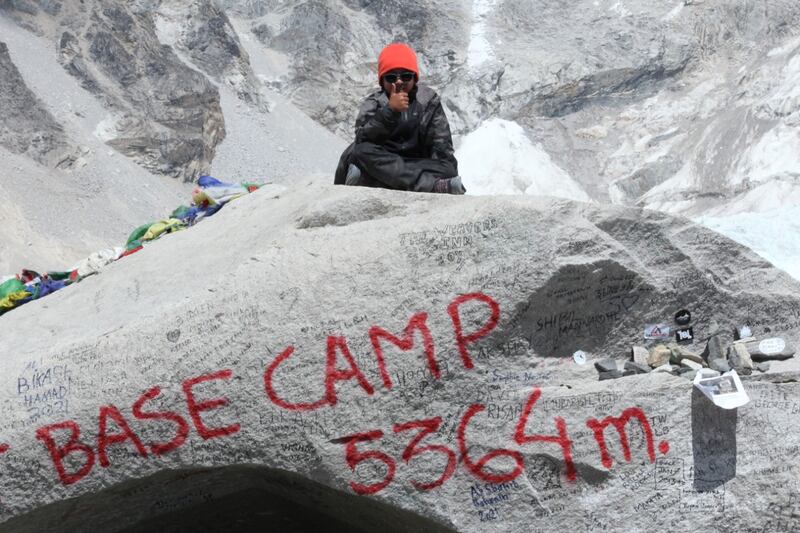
x: 744, y: 355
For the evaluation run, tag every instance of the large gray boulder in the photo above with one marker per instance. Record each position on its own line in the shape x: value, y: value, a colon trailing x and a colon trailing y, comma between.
x: 397, y: 362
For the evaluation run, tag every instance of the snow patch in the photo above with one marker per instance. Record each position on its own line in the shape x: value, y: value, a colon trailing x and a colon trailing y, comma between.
x: 767, y: 197
x: 774, y: 235
x: 774, y: 156
x: 168, y: 29
x: 479, y: 50
x: 785, y: 99
x: 620, y: 9
x: 106, y: 129
x: 499, y: 158
x: 785, y: 49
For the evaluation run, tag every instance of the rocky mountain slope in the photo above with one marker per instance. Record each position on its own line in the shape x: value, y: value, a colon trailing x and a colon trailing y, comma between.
x: 210, y: 395
x: 98, y: 114
x: 375, y: 357
x: 683, y: 106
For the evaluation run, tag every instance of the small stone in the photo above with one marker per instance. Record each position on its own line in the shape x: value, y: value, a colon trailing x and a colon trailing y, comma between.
x: 684, y: 353
x: 688, y: 363
x: 659, y: 356
x: 674, y: 354
x: 720, y: 366
x: 637, y: 368
x: 639, y: 354
x: 690, y: 375
x: 663, y: 368
x: 739, y: 357
x: 606, y: 365
x: 762, y: 367
x: 613, y: 374
x: 715, y: 356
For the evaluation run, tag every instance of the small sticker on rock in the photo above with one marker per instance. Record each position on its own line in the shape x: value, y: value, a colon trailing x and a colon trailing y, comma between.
x: 580, y: 357
x: 683, y: 317
x: 684, y: 335
x: 656, y: 331
x: 174, y: 335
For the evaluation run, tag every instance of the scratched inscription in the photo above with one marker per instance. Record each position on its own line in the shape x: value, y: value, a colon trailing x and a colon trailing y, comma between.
x: 448, y: 245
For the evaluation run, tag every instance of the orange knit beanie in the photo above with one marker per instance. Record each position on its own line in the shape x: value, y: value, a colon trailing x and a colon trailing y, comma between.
x: 394, y: 56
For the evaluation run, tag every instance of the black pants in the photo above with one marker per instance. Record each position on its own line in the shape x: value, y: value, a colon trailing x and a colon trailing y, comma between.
x: 382, y: 168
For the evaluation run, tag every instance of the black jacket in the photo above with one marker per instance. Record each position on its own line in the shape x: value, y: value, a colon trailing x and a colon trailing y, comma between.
x: 422, y: 132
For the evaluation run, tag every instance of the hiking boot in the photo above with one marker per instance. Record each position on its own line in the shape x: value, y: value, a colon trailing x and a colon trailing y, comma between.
x: 449, y: 186
x: 353, y: 176
x: 456, y: 186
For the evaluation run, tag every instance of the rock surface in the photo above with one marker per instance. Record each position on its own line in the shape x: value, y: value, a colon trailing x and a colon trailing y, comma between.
x: 97, y: 196
x: 637, y: 367
x: 679, y: 352
x: 167, y: 401
x: 166, y: 116
x: 606, y: 365
x: 26, y: 126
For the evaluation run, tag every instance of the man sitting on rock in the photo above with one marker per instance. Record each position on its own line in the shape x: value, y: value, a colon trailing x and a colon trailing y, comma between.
x: 402, y: 135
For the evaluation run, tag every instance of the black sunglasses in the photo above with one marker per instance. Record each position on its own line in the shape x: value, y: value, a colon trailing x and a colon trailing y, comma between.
x: 392, y: 78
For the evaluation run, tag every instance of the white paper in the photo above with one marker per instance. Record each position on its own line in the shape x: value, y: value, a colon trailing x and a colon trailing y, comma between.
x: 725, y: 391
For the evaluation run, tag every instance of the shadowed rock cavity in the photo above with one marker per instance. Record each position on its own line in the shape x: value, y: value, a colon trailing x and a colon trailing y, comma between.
x: 579, y: 307
x: 237, y: 498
